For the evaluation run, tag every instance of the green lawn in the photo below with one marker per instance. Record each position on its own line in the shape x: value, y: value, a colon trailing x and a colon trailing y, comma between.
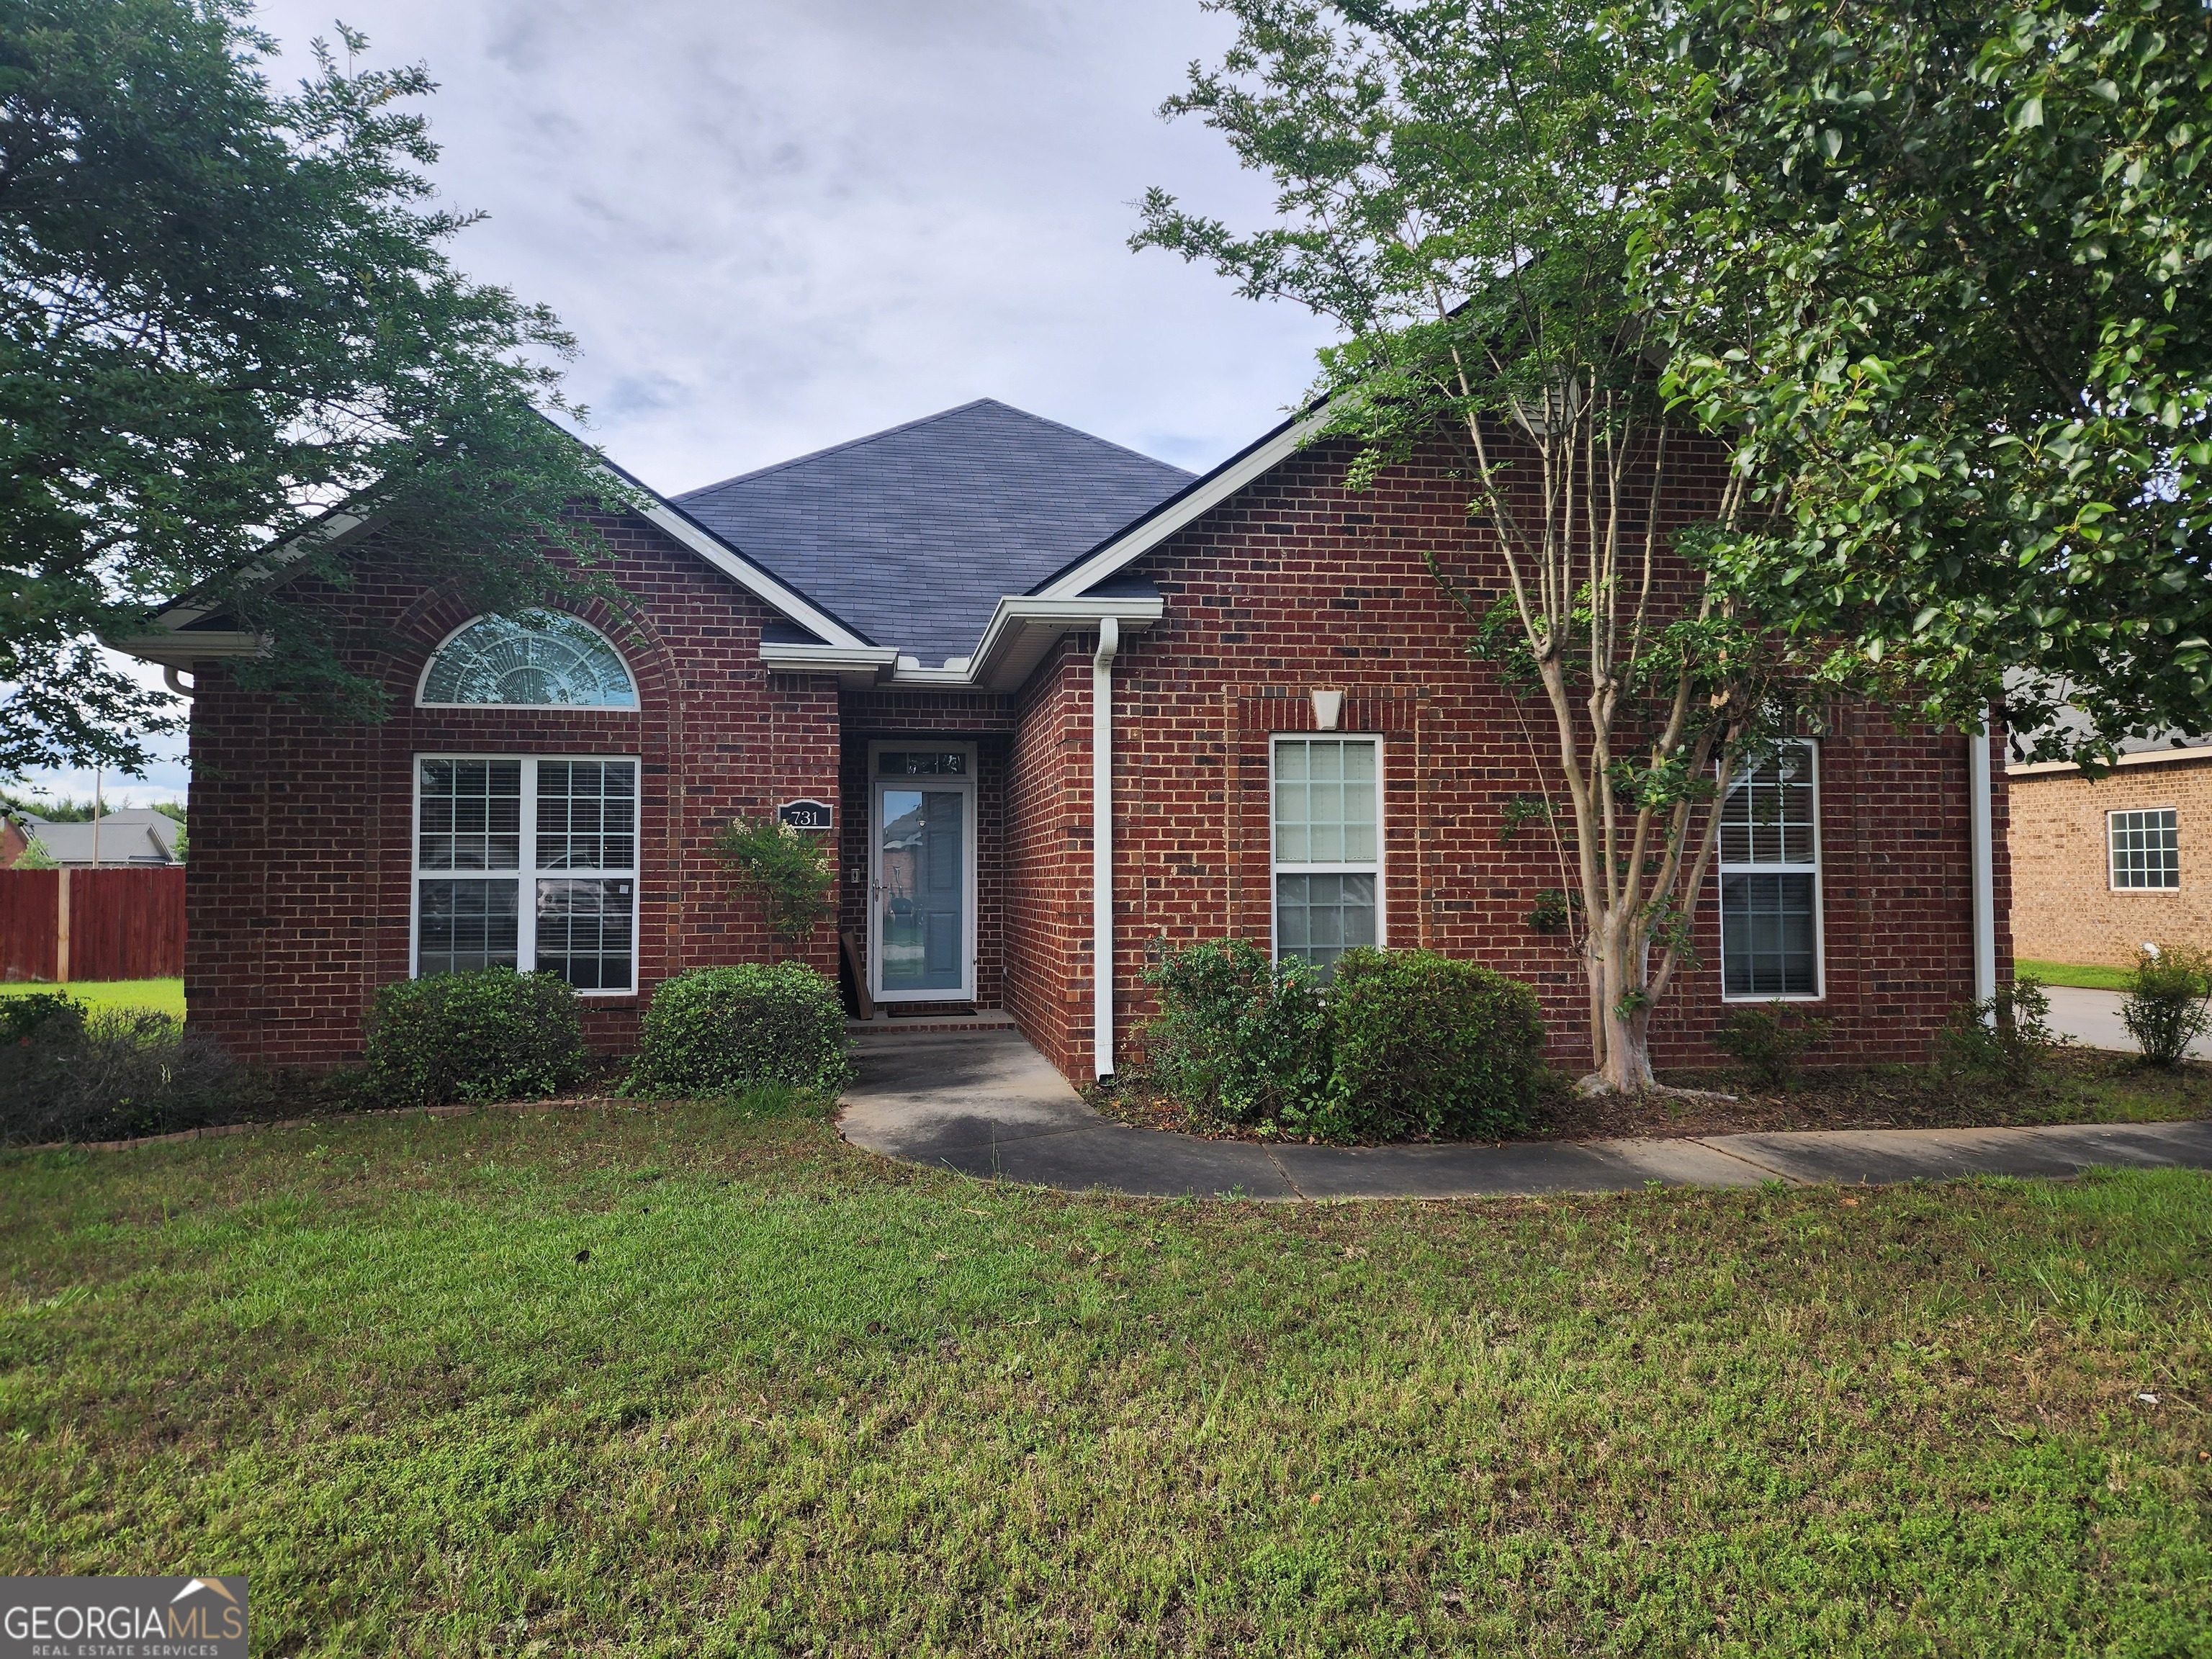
x: 164, y: 995
x: 2087, y: 977
x: 658, y: 1381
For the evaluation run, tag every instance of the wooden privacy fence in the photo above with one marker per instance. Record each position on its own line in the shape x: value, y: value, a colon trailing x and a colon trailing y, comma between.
x: 62, y: 925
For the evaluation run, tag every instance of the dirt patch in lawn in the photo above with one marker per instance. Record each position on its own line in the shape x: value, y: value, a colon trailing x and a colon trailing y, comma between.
x: 2077, y: 1086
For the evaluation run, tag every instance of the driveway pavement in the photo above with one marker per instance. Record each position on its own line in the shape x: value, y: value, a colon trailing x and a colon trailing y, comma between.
x: 987, y: 1104
x: 2093, y: 1018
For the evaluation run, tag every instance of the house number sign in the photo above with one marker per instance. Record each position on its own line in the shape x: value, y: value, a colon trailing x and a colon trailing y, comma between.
x: 804, y: 815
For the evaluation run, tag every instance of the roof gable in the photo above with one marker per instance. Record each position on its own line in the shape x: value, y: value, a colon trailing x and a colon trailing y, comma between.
x: 913, y: 534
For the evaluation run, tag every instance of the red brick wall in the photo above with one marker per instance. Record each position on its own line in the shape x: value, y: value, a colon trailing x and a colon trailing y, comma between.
x: 1294, y: 585
x: 298, y: 899
x: 1048, y: 983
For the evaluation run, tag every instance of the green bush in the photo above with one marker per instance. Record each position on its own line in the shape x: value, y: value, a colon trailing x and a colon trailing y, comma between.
x: 2006, y: 1037
x: 728, y: 1031
x: 2166, y: 1010
x: 46, y: 1014
x: 1397, y: 1045
x: 1428, y: 1046
x: 490, y: 1035
x: 1238, y: 1037
x: 1769, y: 1039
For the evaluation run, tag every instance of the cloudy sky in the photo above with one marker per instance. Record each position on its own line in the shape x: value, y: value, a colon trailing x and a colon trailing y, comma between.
x: 777, y: 224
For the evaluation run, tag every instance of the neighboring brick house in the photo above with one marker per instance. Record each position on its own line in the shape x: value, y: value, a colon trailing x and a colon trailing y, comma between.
x: 957, y: 635
x: 2100, y: 869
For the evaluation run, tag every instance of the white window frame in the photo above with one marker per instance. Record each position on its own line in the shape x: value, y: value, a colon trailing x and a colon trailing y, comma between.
x: 636, y: 705
x: 967, y: 783
x: 1275, y: 867
x: 1723, y: 867
x: 2111, y: 873
x: 528, y: 874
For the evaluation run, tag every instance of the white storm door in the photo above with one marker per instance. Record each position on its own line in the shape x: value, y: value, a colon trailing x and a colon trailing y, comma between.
x: 921, y: 909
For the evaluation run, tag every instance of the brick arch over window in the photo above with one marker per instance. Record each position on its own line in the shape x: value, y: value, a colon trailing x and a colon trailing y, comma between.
x: 542, y: 659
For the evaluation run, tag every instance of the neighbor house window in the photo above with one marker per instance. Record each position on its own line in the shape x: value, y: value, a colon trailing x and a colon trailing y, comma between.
x: 1329, y: 847
x: 1771, y: 878
x: 540, y: 660
x: 527, y: 863
x: 2146, y: 848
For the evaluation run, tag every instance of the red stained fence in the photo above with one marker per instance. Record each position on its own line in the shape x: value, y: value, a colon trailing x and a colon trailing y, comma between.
x: 58, y: 925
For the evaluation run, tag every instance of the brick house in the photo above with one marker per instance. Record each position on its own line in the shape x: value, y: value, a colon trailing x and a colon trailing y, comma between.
x: 2102, y: 868
x: 1058, y: 704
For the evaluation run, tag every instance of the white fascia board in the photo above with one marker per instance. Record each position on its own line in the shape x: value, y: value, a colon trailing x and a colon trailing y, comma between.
x: 853, y: 665
x: 2143, y: 757
x: 1208, y: 493
x: 754, y: 580
x: 1024, y: 626
x: 172, y: 646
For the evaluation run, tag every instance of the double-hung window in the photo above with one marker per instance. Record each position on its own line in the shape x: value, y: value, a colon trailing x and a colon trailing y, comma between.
x: 1771, y: 878
x: 1329, y: 847
x: 2146, y: 848
x: 527, y: 863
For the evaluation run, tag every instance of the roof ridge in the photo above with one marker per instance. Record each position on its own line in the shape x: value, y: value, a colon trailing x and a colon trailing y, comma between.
x: 849, y: 443
x: 922, y: 421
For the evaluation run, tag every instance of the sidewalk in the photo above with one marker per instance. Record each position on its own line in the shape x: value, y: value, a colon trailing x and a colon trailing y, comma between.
x: 990, y: 1105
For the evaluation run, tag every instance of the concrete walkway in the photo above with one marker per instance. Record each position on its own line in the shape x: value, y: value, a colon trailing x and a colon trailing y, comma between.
x: 987, y: 1104
x: 2092, y: 1018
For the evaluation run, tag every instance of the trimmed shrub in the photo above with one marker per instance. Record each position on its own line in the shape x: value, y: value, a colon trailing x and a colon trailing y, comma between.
x: 492, y: 1034
x: 729, y: 1031
x: 39, y: 1013
x: 1769, y: 1039
x: 1238, y: 1037
x: 2166, y: 1010
x: 1426, y: 1045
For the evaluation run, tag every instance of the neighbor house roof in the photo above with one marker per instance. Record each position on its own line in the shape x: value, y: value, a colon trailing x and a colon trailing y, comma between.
x: 132, y: 835
x: 914, y: 534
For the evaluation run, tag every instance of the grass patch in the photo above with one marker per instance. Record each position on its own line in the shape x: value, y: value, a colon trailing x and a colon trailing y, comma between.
x: 2079, y: 976
x: 163, y: 996
x: 701, y: 1379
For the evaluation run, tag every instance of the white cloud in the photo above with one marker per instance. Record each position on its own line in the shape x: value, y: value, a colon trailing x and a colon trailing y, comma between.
x: 778, y: 224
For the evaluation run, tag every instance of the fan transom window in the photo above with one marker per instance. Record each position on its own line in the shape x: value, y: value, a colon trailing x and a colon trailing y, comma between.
x: 539, y: 660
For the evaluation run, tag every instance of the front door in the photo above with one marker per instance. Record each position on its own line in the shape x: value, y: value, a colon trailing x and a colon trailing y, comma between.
x: 924, y: 834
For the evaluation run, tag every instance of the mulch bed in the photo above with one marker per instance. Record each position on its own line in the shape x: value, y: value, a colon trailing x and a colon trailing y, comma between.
x: 1882, y: 1097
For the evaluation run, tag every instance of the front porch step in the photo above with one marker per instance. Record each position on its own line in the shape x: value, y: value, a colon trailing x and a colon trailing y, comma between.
x: 988, y: 1019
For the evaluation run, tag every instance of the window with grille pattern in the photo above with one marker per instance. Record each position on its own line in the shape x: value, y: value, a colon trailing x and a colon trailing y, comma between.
x: 2146, y: 848
x: 1770, y: 873
x: 565, y: 833
x: 1328, y: 828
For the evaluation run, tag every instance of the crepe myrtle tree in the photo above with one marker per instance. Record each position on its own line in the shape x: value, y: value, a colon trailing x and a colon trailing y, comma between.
x: 1943, y: 274
x: 225, y: 311
x: 1455, y: 187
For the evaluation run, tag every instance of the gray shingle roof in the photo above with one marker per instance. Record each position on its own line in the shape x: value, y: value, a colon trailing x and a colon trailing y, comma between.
x: 912, y: 535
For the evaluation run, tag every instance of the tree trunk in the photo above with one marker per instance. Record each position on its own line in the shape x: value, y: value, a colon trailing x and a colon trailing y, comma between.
x: 1623, y: 1014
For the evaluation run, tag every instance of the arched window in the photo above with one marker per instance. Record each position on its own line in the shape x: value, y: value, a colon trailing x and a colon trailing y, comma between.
x: 539, y: 659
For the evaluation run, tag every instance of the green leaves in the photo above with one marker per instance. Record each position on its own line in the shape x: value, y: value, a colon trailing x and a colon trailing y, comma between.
x: 222, y: 313
x: 2003, y: 496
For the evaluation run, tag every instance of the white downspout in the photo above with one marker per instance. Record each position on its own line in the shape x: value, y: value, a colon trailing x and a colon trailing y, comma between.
x: 1984, y: 863
x: 1102, y: 845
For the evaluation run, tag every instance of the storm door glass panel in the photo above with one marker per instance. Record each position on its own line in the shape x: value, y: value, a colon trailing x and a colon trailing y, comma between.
x: 921, y: 890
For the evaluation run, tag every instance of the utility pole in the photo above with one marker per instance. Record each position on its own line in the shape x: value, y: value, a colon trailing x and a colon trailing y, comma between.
x: 98, y: 772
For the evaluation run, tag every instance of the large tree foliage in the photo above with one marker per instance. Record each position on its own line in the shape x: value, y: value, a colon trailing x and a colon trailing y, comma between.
x: 1941, y: 272
x: 1456, y: 184
x: 224, y: 311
